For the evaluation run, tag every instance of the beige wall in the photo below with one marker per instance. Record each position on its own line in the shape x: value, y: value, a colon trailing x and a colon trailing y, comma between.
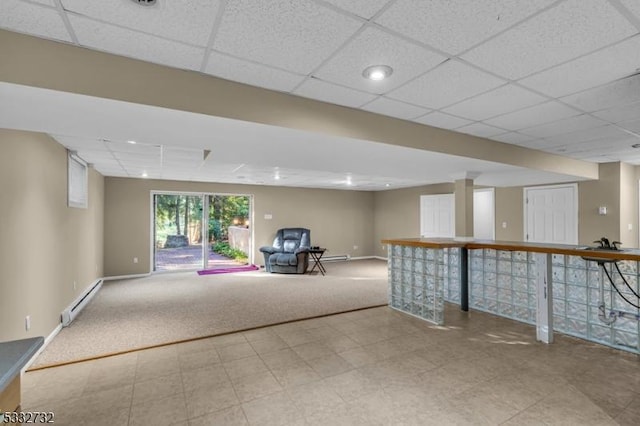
x: 397, y: 213
x: 509, y: 210
x: 628, y: 205
x: 593, y: 194
x: 339, y: 220
x: 45, y: 245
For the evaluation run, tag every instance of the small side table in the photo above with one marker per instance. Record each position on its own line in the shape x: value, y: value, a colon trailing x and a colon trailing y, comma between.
x: 316, y: 255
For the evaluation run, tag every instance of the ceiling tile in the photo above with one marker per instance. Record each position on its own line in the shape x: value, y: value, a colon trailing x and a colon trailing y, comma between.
x: 363, y: 8
x: 602, y: 145
x: 80, y: 143
x: 449, y: 83
x: 532, y: 116
x: 633, y: 6
x: 291, y: 35
x: 621, y: 92
x: 622, y: 113
x: 140, y: 148
x: 327, y: 92
x: 634, y: 125
x: 512, y: 138
x: 136, y: 45
x: 456, y: 25
x: 608, y: 133
x: 621, y: 60
x: 498, y: 101
x: 564, y: 32
x: 165, y: 18
x: 174, y: 153
x: 229, y: 68
x: 393, y: 108
x: 480, y: 129
x: 444, y: 121
x: 566, y: 125
x: 376, y: 47
x: 32, y: 19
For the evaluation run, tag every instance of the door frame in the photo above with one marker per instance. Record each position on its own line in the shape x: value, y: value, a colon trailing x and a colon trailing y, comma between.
x: 205, y: 229
x: 573, y: 186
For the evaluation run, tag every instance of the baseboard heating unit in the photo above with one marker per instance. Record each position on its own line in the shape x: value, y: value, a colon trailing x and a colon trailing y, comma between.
x: 70, y: 313
x: 336, y: 258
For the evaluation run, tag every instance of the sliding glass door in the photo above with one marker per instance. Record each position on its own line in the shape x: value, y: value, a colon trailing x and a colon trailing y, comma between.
x: 178, y: 237
x: 200, y: 231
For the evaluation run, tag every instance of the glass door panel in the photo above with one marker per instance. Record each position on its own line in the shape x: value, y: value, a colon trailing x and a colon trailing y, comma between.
x: 178, y: 232
x: 229, y: 232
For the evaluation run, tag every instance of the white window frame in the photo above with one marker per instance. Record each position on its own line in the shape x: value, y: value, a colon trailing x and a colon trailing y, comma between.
x: 77, y: 181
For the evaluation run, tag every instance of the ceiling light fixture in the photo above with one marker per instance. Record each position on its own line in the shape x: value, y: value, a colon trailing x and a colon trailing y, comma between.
x: 132, y: 142
x: 377, y: 72
x: 144, y: 174
x: 145, y: 2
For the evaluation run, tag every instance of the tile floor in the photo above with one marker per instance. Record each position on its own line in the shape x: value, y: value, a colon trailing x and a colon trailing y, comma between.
x: 371, y: 367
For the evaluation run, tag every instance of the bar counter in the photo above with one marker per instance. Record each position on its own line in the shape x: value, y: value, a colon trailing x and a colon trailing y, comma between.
x: 551, y: 286
x: 14, y: 355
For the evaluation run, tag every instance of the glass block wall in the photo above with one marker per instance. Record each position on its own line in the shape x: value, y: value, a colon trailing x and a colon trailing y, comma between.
x: 503, y: 283
x: 419, y: 277
x: 577, y: 295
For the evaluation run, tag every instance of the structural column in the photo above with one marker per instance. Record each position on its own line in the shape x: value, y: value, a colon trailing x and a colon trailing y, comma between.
x: 464, y: 230
x: 464, y: 208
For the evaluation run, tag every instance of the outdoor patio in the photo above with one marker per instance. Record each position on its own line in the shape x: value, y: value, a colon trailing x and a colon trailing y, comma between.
x: 190, y: 257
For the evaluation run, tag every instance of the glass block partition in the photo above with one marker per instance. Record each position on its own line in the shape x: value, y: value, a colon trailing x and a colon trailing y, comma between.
x: 421, y: 277
x: 576, y: 297
x: 504, y: 283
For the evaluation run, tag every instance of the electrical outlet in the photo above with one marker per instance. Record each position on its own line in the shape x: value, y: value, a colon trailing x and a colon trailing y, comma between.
x: 27, y: 322
x: 504, y: 224
x: 355, y: 247
x: 135, y: 260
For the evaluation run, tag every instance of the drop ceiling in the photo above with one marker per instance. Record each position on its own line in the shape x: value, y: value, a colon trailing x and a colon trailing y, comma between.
x: 557, y: 76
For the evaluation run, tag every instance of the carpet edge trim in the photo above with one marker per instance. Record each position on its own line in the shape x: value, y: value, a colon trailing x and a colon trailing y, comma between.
x: 193, y: 339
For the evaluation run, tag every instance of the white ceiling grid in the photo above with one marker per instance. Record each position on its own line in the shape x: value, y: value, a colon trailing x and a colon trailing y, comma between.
x: 545, y: 74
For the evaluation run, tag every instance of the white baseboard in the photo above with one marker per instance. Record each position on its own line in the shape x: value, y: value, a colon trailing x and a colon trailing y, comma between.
x: 126, y: 277
x: 363, y: 257
x: 47, y: 340
x: 380, y: 258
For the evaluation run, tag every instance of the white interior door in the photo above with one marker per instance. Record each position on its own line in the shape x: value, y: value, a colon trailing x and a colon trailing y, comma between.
x: 437, y: 216
x: 484, y: 214
x: 551, y: 214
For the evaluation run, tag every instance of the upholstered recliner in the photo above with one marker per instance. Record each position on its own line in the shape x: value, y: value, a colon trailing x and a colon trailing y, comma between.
x: 289, y: 253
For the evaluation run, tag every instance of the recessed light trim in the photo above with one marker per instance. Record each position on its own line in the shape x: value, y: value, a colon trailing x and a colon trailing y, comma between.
x: 145, y: 2
x: 377, y: 72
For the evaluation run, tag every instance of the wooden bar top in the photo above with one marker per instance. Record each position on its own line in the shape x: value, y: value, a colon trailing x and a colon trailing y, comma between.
x: 571, y: 250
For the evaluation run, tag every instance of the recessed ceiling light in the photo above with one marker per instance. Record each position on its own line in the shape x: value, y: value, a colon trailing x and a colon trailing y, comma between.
x: 132, y: 142
x: 377, y: 72
x: 144, y: 174
x: 145, y: 2
x: 387, y: 185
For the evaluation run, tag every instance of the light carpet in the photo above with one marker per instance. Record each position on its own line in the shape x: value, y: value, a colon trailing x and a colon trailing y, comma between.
x: 167, y: 308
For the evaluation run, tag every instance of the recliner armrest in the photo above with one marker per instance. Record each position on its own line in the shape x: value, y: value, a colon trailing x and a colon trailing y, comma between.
x: 302, y: 250
x: 269, y: 249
